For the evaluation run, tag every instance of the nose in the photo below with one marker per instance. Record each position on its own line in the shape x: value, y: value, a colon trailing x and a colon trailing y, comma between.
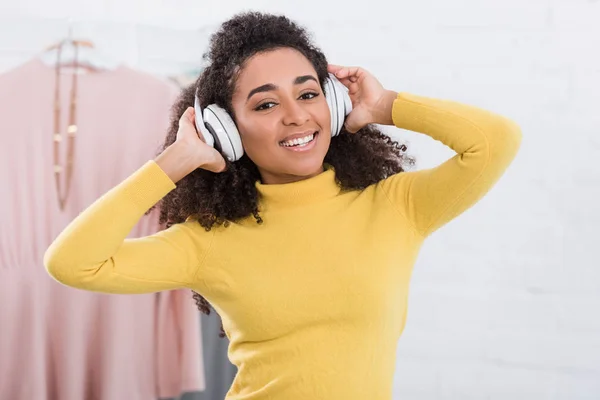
x: 295, y: 114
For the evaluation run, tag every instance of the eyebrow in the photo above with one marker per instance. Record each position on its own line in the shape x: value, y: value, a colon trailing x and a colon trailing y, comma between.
x: 269, y: 86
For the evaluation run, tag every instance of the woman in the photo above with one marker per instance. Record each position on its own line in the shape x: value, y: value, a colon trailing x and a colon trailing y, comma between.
x: 303, y: 247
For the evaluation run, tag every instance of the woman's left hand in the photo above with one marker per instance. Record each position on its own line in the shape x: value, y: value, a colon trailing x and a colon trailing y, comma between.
x: 371, y: 102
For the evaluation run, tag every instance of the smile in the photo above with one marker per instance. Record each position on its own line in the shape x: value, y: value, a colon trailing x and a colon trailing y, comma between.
x: 299, y: 142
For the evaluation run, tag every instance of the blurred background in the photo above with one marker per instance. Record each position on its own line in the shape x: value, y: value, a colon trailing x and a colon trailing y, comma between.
x: 504, y: 301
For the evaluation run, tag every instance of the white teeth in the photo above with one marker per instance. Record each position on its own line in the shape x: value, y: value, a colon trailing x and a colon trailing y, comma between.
x: 299, y: 141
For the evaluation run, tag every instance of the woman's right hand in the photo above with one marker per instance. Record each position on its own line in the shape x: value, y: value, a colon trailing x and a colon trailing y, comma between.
x: 189, y: 151
x: 189, y: 137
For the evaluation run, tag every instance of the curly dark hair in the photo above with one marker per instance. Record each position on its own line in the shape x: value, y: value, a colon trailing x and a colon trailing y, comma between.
x: 359, y: 159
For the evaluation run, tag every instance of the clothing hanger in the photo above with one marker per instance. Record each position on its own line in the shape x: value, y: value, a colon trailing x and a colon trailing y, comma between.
x: 80, y: 55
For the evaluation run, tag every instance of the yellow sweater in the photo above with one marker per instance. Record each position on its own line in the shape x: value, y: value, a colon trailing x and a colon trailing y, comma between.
x: 314, y: 300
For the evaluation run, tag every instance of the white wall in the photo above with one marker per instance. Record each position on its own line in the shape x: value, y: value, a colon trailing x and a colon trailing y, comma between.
x: 504, y: 301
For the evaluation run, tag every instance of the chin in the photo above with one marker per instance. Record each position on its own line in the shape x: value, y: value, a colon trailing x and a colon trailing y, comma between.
x: 304, y: 164
x: 304, y: 168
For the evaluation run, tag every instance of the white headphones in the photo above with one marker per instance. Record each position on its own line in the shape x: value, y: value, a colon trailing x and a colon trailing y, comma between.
x: 219, y: 130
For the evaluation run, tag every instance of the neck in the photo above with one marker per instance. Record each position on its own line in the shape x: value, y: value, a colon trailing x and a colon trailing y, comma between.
x: 317, y: 187
x: 269, y: 178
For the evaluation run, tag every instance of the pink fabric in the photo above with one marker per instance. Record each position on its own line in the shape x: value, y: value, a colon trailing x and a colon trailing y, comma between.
x: 59, y: 343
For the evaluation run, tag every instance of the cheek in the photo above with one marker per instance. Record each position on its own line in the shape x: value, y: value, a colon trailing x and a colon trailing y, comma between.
x: 257, y: 135
x: 324, y: 117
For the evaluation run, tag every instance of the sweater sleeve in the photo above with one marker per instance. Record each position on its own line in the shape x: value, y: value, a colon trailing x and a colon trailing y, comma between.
x: 94, y: 253
x: 486, y: 143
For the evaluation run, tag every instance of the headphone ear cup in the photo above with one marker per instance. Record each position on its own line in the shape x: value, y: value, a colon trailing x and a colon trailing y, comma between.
x: 200, y: 127
x: 339, y: 103
x: 223, y: 129
x: 329, y: 95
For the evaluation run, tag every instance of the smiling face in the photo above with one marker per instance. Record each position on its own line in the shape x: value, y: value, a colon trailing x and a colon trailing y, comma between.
x: 282, y: 115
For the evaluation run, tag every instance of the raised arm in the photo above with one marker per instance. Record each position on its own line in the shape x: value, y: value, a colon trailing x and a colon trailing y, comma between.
x: 486, y: 143
x: 93, y: 251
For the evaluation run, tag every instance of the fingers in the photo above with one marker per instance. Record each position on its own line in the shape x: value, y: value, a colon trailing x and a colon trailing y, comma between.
x: 341, y: 72
x: 221, y: 166
x: 188, y: 116
x: 352, y: 72
x: 188, y: 112
x: 333, y: 68
x: 350, y: 84
x: 351, y: 126
x: 215, y: 162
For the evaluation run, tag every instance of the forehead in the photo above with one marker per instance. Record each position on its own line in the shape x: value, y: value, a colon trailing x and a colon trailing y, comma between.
x: 280, y: 66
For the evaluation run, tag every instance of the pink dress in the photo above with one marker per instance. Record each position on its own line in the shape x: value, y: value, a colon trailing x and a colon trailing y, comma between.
x: 59, y: 343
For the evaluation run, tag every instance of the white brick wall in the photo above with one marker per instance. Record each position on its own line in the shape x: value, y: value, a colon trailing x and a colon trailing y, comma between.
x: 504, y: 301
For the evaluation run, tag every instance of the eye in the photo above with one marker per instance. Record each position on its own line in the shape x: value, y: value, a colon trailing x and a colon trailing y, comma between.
x: 309, y: 95
x: 269, y: 104
x: 264, y: 106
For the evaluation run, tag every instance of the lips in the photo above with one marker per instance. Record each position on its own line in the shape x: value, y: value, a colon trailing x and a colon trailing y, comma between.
x: 298, y: 135
x: 300, y: 141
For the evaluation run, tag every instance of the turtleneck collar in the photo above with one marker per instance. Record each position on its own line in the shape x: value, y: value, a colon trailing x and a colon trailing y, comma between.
x: 317, y: 188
